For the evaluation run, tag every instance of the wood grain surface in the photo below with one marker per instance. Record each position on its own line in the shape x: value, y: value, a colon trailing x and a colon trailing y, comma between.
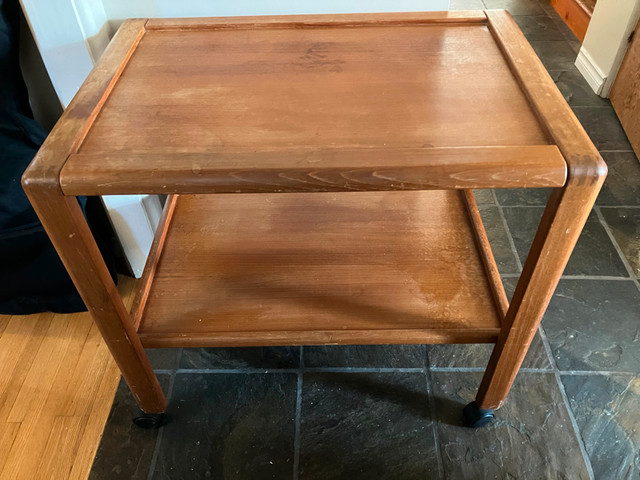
x: 153, y: 258
x: 318, y: 21
x: 625, y: 94
x: 315, y: 170
x: 353, y: 267
x: 576, y: 14
x: 417, y: 86
x: 57, y: 385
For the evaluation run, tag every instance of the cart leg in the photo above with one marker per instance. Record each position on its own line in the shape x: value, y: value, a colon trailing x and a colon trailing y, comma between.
x: 565, y: 215
x: 65, y: 224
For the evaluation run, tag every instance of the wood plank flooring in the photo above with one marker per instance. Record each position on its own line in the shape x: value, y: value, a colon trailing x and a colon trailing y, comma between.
x: 57, y: 382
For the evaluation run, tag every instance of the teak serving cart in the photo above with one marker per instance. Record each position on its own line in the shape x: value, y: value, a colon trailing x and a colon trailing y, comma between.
x: 319, y: 173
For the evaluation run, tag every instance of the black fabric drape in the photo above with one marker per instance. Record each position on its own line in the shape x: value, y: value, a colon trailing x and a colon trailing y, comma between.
x: 32, y: 277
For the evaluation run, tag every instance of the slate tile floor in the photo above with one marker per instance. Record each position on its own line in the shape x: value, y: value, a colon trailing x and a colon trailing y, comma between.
x: 394, y: 411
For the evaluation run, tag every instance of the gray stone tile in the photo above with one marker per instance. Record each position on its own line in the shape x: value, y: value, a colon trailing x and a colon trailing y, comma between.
x: 594, y: 325
x: 555, y: 54
x: 539, y: 27
x: 522, y: 196
x: 516, y: 7
x: 372, y: 356
x: 553, y: 15
x: 477, y: 355
x: 362, y: 426
x: 125, y: 450
x: 231, y: 426
x: 466, y: 5
x: 607, y: 410
x: 564, y: 28
x: 625, y: 226
x: 547, y: 7
x: 532, y: 436
x: 594, y: 253
x: 163, y: 358
x: 498, y: 239
x: 603, y: 127
x: 252, y: 357
x: 484, y: 197
x: 622, y: 186
x: 576, y: 90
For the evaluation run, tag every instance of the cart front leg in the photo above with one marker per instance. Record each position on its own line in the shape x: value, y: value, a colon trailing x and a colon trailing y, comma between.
x: 564, y: 217
x: 67, y: 228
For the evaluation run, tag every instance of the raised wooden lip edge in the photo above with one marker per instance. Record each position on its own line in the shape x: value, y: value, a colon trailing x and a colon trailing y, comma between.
x: 87, y: 102
x: 582, y: 157
x: 321, y: 337
x: 318, y: 20
x: 87, y: 174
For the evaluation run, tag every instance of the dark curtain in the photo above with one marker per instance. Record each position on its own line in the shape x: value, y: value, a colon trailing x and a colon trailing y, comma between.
x: 32, y: 277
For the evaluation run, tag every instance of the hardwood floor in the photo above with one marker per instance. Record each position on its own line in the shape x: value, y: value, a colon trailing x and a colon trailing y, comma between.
x: 57, y: 382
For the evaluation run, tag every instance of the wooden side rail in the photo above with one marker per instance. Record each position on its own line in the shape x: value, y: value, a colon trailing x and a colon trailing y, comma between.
x: 320, y: 21
x: 482, y: 243
x: 144, y: 286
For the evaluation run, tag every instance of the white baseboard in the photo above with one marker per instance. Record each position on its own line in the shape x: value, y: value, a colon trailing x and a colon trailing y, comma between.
x: 590, y: 71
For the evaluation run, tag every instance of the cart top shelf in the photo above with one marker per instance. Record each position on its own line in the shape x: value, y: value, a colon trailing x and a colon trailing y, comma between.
x: 316, y: 103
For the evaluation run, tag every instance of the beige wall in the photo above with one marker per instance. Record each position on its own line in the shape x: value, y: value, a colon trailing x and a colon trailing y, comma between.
x: 607, y: 38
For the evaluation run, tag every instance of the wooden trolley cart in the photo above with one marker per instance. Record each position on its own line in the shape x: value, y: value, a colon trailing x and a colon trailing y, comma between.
x: 319, y: 173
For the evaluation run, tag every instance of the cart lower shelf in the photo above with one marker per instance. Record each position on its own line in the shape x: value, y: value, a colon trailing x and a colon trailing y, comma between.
x: 321, y: 268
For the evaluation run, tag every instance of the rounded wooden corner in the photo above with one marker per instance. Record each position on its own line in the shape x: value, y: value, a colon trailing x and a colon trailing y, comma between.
x: 38, y: 177
x: 32, y: 182
x: 586, y: 169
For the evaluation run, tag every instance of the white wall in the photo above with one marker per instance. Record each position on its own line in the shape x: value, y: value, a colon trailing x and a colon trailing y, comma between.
x: 121, y: 9
x: 606, y: 42
x: 61, y: 39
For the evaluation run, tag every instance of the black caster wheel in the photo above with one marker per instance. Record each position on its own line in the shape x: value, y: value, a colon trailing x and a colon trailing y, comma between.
x: 476, y: 418
x: 148, y: 420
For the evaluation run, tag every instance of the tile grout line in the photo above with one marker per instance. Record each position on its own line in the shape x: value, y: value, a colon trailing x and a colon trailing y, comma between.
x: 541, y: 207
x: 594, y: 373
x: 482, y: 369
x: 578, y: 277
x: 184, y: 371
x: 595, y: 106
x: 607, y: 278
x: 508, y: 232
x: 617, y: 206
x: 297, y: 427
x: 574, y: 424
x: 356, y: 370
x: 621, y: 254
x: 156, y: 450
x: 616, y: 151
x: 434, y: 415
